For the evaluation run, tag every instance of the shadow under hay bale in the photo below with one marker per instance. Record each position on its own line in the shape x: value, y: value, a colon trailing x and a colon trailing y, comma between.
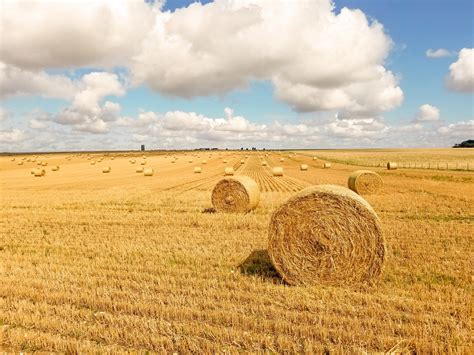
x: 209, y: 210
x: 258, y: 263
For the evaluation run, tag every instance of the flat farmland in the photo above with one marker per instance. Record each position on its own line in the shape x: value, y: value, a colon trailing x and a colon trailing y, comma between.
x: 121, y: 262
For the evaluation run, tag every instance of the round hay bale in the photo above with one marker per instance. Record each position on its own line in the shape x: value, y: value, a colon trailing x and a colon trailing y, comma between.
x: 224, y: 161
x: 44, y: 163
x: 190, y: 161
x: 55, y: 168
x: 20, y: 162
x: 93, y: 162
x: 327, y: 165
x: 229, y: 171
x: 277, y: 171
x: 242, y: 161
x: 143, y: 162
x: 365, y: 182
x: 326, y: 234
x: 32, y: 171
x: 139, y: 169
x: 264, y: 163
x: 106, y: 169
x: 392, y: 166
x: 197, y: 170
x: 282, y: 160
x: 237, y: 194
x: 148, y: 172
x: 173, y: 161
x: 204, y: 161
x: 304, y: 167
x: 315, y: 158
x: 12, y: 159
x: 39, y: 172
x: 132, y: 161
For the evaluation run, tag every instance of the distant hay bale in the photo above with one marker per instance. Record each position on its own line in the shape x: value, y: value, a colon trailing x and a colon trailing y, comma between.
x: 148, y: 172
x: 143, y: 162
x: 139, y: 169
x: 303, y: 167
x: 12, y: 159
x: 277, y: 171
x: 32, y: 171
x: 55, y: 168
x: 229, y: 171
x: 106, y: 169
x: 392, y: 166
x: 204, y: 161
x: 264, y: 163
x: 197, y: 170
x: 132, y: 161
x: 315, y: 158
x: 190, y: 161
x: 44, y: 163
x: 327, y: 165
x: 93, y: 162
x: 173, y: 161
x: 242, y: 161
x: 20, y: 163
x: 326, y: 234
x: 282, y: 160
x: 365, y: 182
x: 224, y: 161
x: 39, y: 172
x: 237, y: 194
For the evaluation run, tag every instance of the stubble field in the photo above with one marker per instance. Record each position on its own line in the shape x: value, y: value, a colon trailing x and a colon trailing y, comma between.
x: 120, y: 262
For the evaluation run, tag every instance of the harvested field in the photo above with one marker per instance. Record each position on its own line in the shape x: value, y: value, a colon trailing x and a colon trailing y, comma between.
x: 119, y: 262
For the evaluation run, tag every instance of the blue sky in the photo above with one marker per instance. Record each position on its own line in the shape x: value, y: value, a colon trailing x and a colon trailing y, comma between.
x: 412, y: 26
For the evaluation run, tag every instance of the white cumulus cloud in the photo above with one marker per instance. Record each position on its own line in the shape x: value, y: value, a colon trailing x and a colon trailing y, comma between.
x: 315, y: 58
x: 427, y: 113
x: 438, y: 53
x: 461, y: 72
x: 87, y: 112
x: 65, y: 34
x: 15, y: 81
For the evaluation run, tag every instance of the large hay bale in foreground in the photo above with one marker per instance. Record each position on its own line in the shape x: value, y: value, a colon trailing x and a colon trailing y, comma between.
x: 277, y: 171
x: 237, y: 194
x: 392, y: 166
x: 304, y: 167
x: 365, y: 182
x: 148, y: 172
x: 229, y: 171
x: 326, y: 234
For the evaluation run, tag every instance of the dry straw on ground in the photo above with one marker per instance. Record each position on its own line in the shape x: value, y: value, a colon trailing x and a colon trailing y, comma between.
x: 304, y: 167
x: 365, y: 182
x: 326, y: 234
x: 237, y: 194
x: 229, y: 171
x: 277, y: 171
x: 148, y: 172
x: 392, y: 166
x: 327, y: 165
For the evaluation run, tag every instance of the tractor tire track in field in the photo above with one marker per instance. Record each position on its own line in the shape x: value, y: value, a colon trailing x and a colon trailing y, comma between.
x: 269, y: 183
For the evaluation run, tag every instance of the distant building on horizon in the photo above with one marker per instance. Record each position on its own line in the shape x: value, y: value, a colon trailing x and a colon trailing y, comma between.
x: 143, y: 147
